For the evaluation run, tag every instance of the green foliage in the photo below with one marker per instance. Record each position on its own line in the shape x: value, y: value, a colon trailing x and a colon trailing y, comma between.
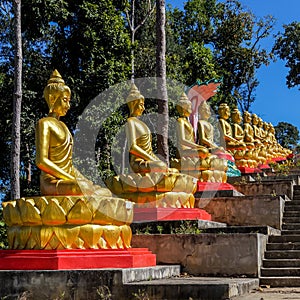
x: 179, y: 227
x: 287, y: 48
x: 3, y: 232
x: 89, y: 43
x: 141, y: 295
x: 286, y: 134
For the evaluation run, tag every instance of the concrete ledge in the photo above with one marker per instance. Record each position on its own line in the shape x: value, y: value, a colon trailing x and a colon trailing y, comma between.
x: 267, y: 187
x: 79, y: 284
x: 248, y: 210
x: 200, y: 288
x: 208, y: 254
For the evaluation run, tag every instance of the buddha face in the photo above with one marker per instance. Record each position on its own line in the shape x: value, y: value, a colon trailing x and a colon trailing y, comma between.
x: 224, y: 111
x: 184, y: 108
x: 137, y: 107
x: 62, y: 104
x: 204, y: 111
x: 266, y: 126
x: 254, y: 119
x: 236, y: 117
x: 247, y: 117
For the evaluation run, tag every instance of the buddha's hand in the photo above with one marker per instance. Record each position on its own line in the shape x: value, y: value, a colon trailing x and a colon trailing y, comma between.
x: 173, y: 170
x: 203, y: 152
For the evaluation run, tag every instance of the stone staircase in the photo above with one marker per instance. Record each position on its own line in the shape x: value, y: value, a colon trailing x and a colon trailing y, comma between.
x: 281, y: 264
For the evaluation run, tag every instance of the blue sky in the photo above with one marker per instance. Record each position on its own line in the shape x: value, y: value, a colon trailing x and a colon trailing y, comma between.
x: 274, y: 101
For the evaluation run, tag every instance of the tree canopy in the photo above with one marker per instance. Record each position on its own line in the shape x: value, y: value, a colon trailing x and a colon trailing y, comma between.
x: 89, y: 43
x: 286, y: 134
x: 287, y: 47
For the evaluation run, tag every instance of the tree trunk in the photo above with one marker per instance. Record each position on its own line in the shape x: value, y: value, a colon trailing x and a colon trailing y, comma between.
x: 163, y: 110
x: 17, y: 100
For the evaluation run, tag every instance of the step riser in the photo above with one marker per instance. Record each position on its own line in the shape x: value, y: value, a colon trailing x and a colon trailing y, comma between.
x: 291, y: 219
x: 283, y: 246
x: 291, y: 214
x: 284, y: 239
x: 280, y: 272
x: 285, y: 263
x: 280, y: 282
x: 282, y: 255
x: 291, y: 227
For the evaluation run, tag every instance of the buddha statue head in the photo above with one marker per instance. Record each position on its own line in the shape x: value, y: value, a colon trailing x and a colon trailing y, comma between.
x: 55, y: 90
x: 247, y: 117
x: 184, y: 106
x: 135, y: 101
x: 224, y: 111
x: 204, y: 111
x: 236, y: 116
x: 254, y: 119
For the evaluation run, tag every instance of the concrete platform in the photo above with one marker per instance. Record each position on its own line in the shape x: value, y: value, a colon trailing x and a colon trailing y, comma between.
x: 78, y: 284
x: 208, y: 254
x: 252, y: 210
x: 200, y: 288
x: 266, y: 293
x: 267, y: 187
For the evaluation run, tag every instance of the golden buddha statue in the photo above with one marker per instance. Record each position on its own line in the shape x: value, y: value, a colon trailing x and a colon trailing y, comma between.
x: 186, y: 146
x: 192, y: 158
x: 72, y: 212
x: 258, y: 138
x: 205, y: 130
x: 231, y: 143
x: 249, y: 139
x: 54, y: 145
x: 241, y: 156
x: 141, y: 156
x: 152, y: 183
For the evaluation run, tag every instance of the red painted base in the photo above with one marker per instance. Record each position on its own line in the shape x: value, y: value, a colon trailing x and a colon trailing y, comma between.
x: 75, y: 259
x: 265, y: 166
x: 223, y: 155
x: 245, y: 170
x: 169, y: 214
x: 214, y: 186
x: 278, y: 159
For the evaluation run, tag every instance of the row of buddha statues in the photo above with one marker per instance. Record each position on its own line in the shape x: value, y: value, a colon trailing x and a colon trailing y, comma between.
x: 252, y: 144
x: 74, y: 213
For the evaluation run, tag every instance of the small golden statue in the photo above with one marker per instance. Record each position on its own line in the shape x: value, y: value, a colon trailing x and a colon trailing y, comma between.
x: 192, y: 158
x: 231, y: 143
x: 205, y: 130
x: 64, y: 217
x: 152, y: 183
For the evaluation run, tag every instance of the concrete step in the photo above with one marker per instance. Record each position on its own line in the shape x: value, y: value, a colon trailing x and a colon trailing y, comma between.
x: 277, y: 254
x: 291, y: 214
x: 284, y: 239
x: 283, y: 246
x: 290, y: 232
x: 291, y: 226
x: 202, y: 288
x: 293, y: 202
x: 280, y: 281
x: 281, y: 263
x: 293, y: 219
x: 292, y: 207
x: 280, y: 272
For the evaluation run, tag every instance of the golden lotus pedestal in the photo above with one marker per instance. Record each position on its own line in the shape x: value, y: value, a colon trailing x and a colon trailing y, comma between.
x: 159, y: 196
x: 70, y: 233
